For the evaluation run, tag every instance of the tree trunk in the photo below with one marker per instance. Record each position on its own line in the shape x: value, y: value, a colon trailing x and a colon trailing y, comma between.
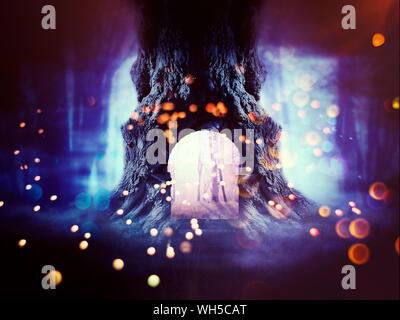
x: 200, y: 53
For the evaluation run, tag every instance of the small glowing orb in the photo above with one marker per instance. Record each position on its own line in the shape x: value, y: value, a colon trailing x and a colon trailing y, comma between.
x: 315, y: 104
x: 153, y: 232
x: 1, y: 203
x: 324, y: 211
x: 87, y: 235
x: 163, y: 191
x: 189, y: 79
x: 170, y: 252
x: 74, y: 228
x: 189, y: 235
x: 290, y: 185
x: 210, y: 107
x: 55, y: 274
x: 326, y: 130
x: 125, y: 193
x: 302, y: 114
x: 332, y: 111
x: 151, y: 251
x: 120, y: 212
x: 317, y: 152
x: 396, y: 245
x: 129, y: 127
x: 198, y: 232
x: 168, y: 199
x: 168, y: 106
x: 300, y: 98
x: 28, y: 187
x: 36, y: 208
x: 192, y: 108
x: 168, y: 231
x: 356, y: 210
x: 37, y: 178
x: 339, y: 212
x: 359, y: 228
x: 22, y: 243
x: 292, y: 196
x: 195, y: 226
x: 278, y: 207
x: 37, y: 160
x: 83, y: 245
x: 118, y: 264
x: 194, y: 221
x: 313, y: 138
x: 22, y: 124
x: 342, y: 228
x: 40, y: 131
x: 352, y: 204
x: 271, y: 203
x: 16, y: 152
x: 378, y: 190
x: 156, y: 186
x: 258, y: 141
x: 153, y: 280
x: 378, y: 39
x: 128, y: 222
x: 395, y: 103
x: 358, y: 253
x: 53, y: 197
x: 185, y: 247
x: 314, y: 232
x: 39, y: 111
x: 276, y: 106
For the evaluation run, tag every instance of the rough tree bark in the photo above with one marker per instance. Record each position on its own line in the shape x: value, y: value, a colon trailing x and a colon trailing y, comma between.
x: 214, y: 41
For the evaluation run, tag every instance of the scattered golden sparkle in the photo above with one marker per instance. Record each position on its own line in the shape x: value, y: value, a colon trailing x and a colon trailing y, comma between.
x: 324, y: 211
x: 314, y: 232
x: 22, y: 243
x: 189, y: 235
x: 332, y: 111
x: 83, y: 245
x: 118, y: 264
x: 395, y: 103
x: 22, y: 124
x: 378, y: 39
x: 57, y: 276
x: 168, y: 231
x: 359, y: 228
x: 378, y: 190
x: 170, y: 252
x: 151, y: 251
x: 16, y: 152
x: 342, y: 228
x: 153, y: 280
x: 193, y: 108
x: 185, y: 247
x: 37, y: 160
x: 358, y: 253
x: 153, y: 232
x: 1, y: 203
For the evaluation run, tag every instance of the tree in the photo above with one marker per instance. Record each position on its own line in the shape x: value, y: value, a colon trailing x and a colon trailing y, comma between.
x: 199, y: 53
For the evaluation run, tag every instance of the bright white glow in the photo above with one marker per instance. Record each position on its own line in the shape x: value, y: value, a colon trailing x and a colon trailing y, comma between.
x: 198, y: 163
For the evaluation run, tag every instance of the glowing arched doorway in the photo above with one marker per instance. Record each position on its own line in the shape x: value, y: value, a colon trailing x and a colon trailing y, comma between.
x: 204, y: 166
